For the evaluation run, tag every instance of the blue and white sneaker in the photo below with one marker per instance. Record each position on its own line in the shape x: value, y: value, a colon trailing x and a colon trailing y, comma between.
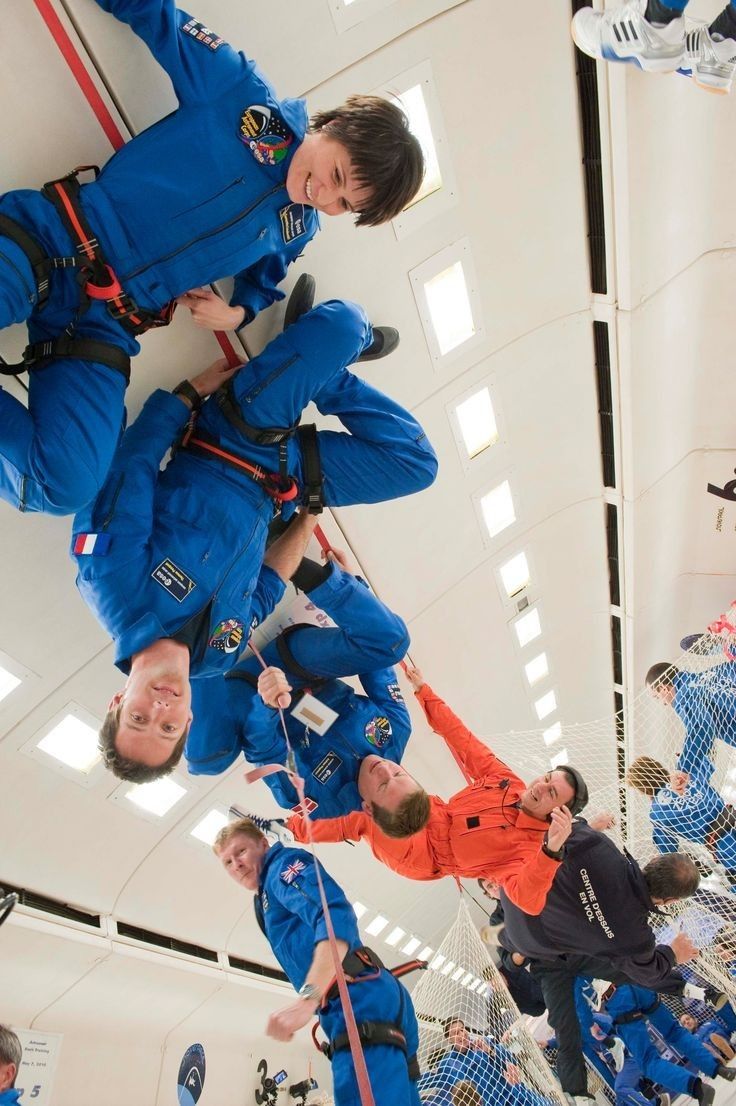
x: 623, y: 34
x: 710, y: 60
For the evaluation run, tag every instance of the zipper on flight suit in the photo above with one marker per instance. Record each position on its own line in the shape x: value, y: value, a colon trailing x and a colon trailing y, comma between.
x: 30, y: 292
x: 203, y: 237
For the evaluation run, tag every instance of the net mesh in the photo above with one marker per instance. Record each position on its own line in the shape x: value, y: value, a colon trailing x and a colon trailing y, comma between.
x: 663, y: 771
x: 475, y: 1046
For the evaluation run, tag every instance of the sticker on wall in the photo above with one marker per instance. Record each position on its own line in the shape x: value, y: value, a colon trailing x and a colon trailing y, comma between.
x: 35, y: 1077
x: 191, y: 1076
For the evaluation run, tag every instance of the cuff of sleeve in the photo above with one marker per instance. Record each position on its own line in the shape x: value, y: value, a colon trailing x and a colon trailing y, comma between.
x: 425, y: 692
x: 248, y: 317
x: 170, y: 406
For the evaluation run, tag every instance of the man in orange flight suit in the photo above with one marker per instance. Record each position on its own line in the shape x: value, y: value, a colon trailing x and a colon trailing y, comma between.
x: 496, y: 827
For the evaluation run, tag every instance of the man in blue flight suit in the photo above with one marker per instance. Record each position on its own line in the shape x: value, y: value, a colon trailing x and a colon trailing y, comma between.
x: 686, y: 805
x: 231, y: 182
x: 11, y: 1054
x: 632, y: 1009
x: 482, y: 1062
x: 705, y: 703
x: 290, y: 913
x: 170, y: 561
x: 239, y: 713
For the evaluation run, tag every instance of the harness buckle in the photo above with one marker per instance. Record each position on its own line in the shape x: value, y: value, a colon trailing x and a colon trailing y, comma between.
x: 108, y: 291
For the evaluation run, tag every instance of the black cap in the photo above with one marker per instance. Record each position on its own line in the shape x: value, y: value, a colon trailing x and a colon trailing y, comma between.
x: 580, y: 798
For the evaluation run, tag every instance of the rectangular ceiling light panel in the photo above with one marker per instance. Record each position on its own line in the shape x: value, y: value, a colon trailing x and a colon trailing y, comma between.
x: 515, y: 575
x: 395, y: 936
x: 446, y: 291
x: 73, y: 743
x: 553, y: 733
x: 379, y: 923
x: 411, y: 946
x: 449, y: 308
x: 560, y: 758
x: 537, y: 668
x: 157, y: 797
x: 207, y: 829
x: 528, y: 627
x: 545, y: 705
x: 415, y: 106
x: 477, y: 421
x: 8, y: 682
x: 497, y: 507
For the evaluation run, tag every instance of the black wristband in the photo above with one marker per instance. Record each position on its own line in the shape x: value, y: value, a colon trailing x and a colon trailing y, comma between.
x: 189, y: 392
x: 558, y: 855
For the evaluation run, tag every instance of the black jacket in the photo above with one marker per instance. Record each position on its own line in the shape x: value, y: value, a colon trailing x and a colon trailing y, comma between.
x: 598, y: 905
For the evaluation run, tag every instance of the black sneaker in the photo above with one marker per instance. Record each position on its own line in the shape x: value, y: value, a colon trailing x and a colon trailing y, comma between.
x: 717, y: 999
x: 385, y: 341
x: 704, y: 1093
x: 726, y: 1073
x: 300, y: 300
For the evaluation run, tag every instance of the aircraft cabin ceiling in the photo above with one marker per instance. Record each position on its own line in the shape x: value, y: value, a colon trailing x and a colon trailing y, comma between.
x: 506, y: 114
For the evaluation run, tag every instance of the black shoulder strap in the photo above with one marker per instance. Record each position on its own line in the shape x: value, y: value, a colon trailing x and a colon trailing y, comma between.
x: 313, y: 488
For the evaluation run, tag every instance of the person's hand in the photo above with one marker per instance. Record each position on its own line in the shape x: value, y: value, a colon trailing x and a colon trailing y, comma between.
x: 340, y: 558
x: 274, y: 688
x: 602, y: 821
x: 210, y: 311
x: 213, y: 377
x: 414, y: 676
x: 512, y: 1074
x: 679, y: 781
x: 683, y: 948
x: 283, y: 1024
x: 560, y: 828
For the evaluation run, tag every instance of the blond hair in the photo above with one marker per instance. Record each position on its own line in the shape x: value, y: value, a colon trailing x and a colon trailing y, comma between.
x: 243, y: 825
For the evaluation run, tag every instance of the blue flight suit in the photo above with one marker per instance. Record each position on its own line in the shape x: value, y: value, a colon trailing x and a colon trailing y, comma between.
x: 485, y: 1070
x: 180, y: 551
x: 629, y: 998
x: 10, y: 1097
x: 289, y: 909
x: 230, y: 717
x: 695, y: 816
x: 627, y: 1085
x: 706, y: 704
x: 198, y: 196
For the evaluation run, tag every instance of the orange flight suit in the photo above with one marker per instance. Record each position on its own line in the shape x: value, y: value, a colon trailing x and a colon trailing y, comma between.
x: 478, y: 833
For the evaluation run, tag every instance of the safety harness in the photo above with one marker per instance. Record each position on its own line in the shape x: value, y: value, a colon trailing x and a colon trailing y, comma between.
x: 280, y: 486
x: 360, y: 966
x: 95, y: 277
x: 632, y: 1015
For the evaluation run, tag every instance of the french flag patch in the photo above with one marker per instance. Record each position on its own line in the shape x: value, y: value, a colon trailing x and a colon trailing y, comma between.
x: 96, y: 545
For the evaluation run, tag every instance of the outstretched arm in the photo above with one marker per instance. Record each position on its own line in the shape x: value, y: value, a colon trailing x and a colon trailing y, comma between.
x: 475, y: 757
x: 351, y: 827
x: 200, y: 64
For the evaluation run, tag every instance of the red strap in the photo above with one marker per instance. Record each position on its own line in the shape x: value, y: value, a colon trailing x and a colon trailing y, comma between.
x: 320, y: 536
x: 356, y: 1048
x: 104, y: 118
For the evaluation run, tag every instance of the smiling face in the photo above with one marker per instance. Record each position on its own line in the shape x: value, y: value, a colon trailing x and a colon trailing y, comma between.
x: 458, y: 1036
x: 545, y: 793
x: 155, y: 705
x: 384, y: 783
x: 242, y: 859
x: 321, y: 175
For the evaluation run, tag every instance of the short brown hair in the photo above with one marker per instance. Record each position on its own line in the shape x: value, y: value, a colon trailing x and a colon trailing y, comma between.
x: 411, y: 815
x: 243, y: 825
x: 660, y: 674
x: 465, y: 1093
x: 125, y: 768
x: 647, y: 775
x: 387, y: 158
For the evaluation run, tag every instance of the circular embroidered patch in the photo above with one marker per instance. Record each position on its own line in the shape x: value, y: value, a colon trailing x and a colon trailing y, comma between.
x: 378, y: 732
x: 265, y: 134
x: 227, y: 636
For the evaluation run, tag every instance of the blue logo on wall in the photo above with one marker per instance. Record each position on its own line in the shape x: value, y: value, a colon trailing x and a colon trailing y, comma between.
x: 191, y: 1076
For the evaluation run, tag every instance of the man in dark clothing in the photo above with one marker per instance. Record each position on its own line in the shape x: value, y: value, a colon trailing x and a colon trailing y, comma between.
x: 598, y: 909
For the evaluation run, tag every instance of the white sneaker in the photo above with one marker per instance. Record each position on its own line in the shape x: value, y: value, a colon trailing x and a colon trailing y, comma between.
x: 710, y: 62
x: 617, y: 1054
x: 623, y: 34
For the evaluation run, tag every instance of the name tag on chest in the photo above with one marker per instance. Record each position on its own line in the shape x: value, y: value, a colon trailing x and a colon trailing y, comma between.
x: 327, y: 767
x: 173, y: 580
x: 314, y: 714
